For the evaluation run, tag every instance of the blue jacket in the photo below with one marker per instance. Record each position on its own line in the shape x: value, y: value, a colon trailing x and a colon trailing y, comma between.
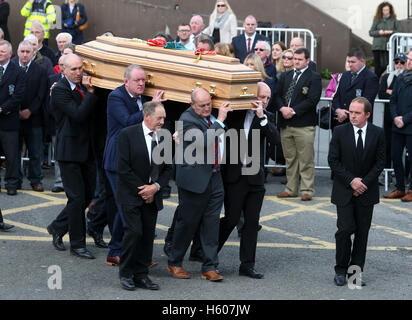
x: 122, y: 112
x: 401, y: 102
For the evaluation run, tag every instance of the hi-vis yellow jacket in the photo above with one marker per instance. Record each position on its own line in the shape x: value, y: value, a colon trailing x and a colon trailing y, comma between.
x: 43, y: 11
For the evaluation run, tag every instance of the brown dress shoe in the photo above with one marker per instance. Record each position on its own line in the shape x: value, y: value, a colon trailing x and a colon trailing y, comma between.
x: 395, y: 194
x: 306, y: 197
x: 178, y: 272
x: 37, y: 187
x: 284, y: 194
x: 152, y: 264
x: 113, y: 261
x: 212, y: 275
x: 407, y: 197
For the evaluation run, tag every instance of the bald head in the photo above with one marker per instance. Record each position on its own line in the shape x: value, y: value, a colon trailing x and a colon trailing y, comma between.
x: 73, y: 68
x: 296, y: 43
x: 264, y: 94
x: 201, y: 102
x: 196, y: 25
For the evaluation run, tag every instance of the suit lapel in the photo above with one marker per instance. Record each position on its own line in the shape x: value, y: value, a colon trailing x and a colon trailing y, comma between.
x: 10, y: 70
x: 300, y: 83
x: 358, y: 78
x: 141, y: 141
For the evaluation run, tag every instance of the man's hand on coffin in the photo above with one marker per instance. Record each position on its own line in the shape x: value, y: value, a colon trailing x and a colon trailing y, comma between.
x: 158, y: 95
x: 223, y: 110
x: 87, y: 84
x: 259, y: 108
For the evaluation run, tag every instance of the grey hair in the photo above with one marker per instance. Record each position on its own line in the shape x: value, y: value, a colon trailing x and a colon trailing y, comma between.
x: 64, y: 34
x: 267, y: 45
x: 3, y: 42
x: 39, y: 25
x: 26, y: 43
x: 32, y: 37
x: 129, y: 70
x: 149, y: 107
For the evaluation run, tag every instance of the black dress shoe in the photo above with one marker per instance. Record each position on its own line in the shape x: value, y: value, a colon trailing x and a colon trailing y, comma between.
x: 5, y: 226
x: 57, y: 189
x: 251, y: 273
x: 57, y: 239
x: 167, y: 248
x: 11, y: 192
x: 127, y: 283
x: 98, y: 239
x: 82, y: 253
x: 340, y: 279
x: 146, y: 283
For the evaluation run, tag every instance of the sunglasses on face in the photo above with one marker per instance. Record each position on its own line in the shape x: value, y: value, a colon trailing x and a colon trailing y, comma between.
x: 220, y: 5
x: 398, y: 61
x: 260, y: 49
x: 289, y: 58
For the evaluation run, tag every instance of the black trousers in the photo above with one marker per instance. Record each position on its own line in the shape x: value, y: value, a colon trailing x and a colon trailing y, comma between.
x: 79, y: 180
x: 356, y: 219
x: 9, y: 141
x: 380, y: 60
x: 139, y: 231
x: 399, y: 142
x: 242, y: 196
x: 198, y: 210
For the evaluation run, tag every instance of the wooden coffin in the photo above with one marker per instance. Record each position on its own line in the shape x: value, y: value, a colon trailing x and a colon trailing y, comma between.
x: 177, y: 72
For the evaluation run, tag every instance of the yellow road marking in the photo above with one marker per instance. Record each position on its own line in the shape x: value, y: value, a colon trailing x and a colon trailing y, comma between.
x: 34, y: 206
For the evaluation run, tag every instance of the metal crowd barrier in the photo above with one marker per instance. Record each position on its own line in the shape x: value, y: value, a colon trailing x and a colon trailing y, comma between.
x: 398, y: 43
x: 286, y: 34
x: 323, y: 137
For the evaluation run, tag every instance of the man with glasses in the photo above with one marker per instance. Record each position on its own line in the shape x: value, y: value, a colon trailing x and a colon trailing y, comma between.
x: 183, y: 32
x: 385, y: 92
x: 246, y: 42
x: 262, y: 49
x: 401, y: 112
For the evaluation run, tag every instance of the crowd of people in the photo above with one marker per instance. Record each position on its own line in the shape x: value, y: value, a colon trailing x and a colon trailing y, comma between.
x: 44, y: 96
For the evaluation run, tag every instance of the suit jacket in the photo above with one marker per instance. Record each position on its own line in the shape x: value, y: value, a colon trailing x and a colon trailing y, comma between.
x: 366, y: 85
x: 73, y: 122
x: 49, y: 116
x: 239, y: 43
x: 12, y: 88
x: 195, y: 177
x: 122, y: 112
x: 133, y: 168
x: 34, y: 95
x: 343, y: 162
x: 304, y: 99
x: 231, y: 173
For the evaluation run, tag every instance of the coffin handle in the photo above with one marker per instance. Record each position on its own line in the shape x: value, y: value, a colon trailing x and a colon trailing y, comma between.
x: 89, y: 66
x: 245, y: 94
x: 149, y: 80
x: 198, y: 85
x: 212, y: 90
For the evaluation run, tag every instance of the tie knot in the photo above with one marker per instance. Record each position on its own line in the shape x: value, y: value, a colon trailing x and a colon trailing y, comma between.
x: 151, y: 134
x: 360, y: 132
x: 298, y: 72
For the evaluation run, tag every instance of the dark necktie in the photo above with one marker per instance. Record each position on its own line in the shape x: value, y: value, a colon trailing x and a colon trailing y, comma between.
x: 1, y: 72
x: 292, y: 87
x: 352, y: 80
x: 79, y: 91
x: 359, y: 145
x: 248, y: 45
x: 216, y: 165
x: 154, y: 168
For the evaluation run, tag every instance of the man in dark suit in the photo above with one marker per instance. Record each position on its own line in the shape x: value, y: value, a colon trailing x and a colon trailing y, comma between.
x: 245, y: 43
x: 245, y: 191
x: 297, y: 95
x: 73, y: 104
x: 12, y: 87
x: 140, y: 177
x: 124, y: 109
x: 31, y: 113
x: 356, y: 157
x: 200, y: 185
x: 4, y: 226
x: 358, y: 82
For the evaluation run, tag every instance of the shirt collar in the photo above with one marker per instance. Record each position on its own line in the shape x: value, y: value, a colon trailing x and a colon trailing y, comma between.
x: 355, y: 128
x: 357, y: 73
x: 146, y: 130
x: 28, y: 65
x: 302, y: 70
x: 5, y: 66
x: 72, y: 85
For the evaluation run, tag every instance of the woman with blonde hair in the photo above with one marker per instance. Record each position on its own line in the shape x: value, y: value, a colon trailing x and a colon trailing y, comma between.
x: 223, y: 49
x: 222, y: 23
x: 287, y: 61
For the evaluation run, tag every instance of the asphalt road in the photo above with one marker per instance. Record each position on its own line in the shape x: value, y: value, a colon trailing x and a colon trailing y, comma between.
x: 295, y: 252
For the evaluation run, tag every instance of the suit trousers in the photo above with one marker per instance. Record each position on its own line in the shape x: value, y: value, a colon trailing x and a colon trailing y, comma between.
x: 399, y: 142
x: 9, y: 141
x: 356, y: 219
x: 242, y: 196
x: 79, y: 180
x: 33, y: 137
x: 198, y: 210
x: 298, y: 149
x: 115, y: 244
x: 57, y: 175
x: 139, y: 231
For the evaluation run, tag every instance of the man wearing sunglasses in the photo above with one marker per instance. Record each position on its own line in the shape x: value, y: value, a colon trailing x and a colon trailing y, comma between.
x: 385, y: 92
x: 263, y: 50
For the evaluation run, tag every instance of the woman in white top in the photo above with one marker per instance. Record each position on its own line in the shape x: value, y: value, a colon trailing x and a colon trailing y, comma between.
x: 222, y: 23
